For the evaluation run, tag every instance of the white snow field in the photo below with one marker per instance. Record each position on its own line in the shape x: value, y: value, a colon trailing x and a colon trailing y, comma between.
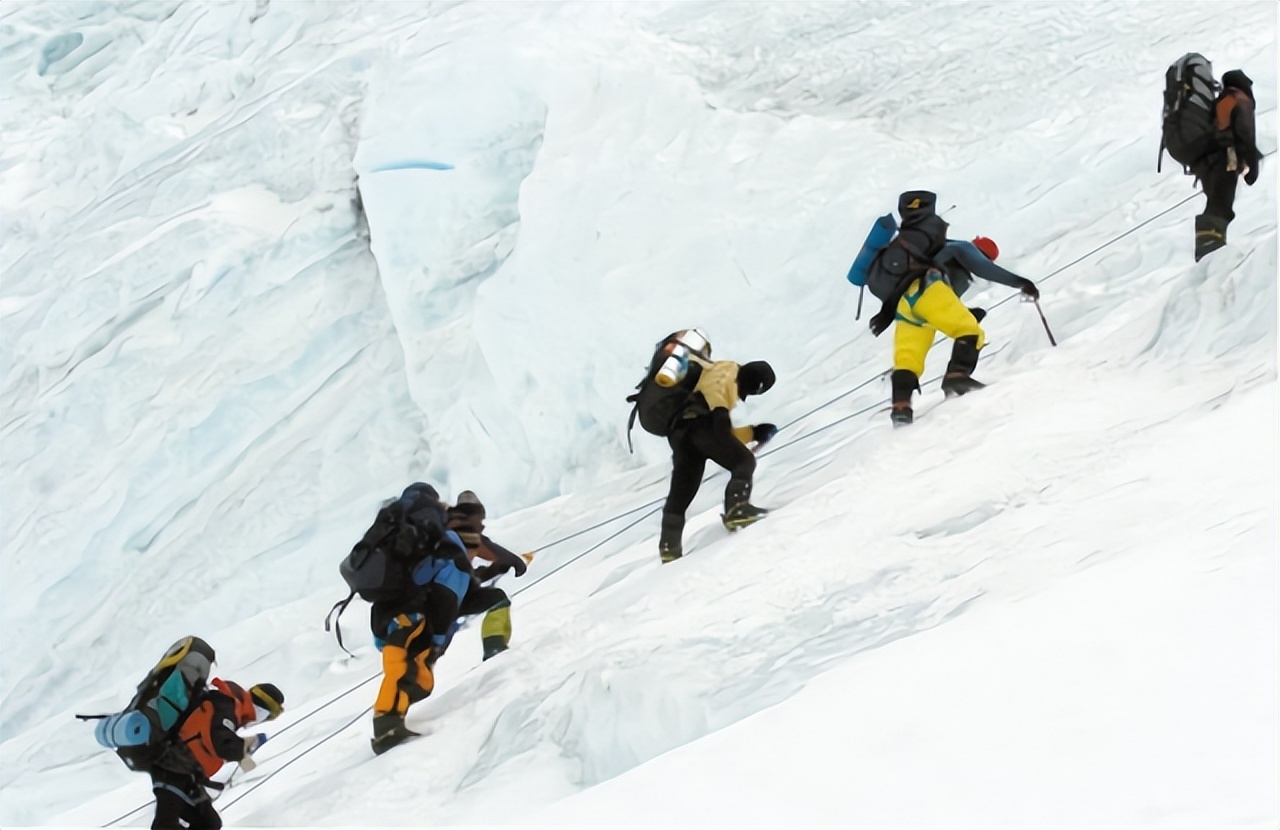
x: 1052, y: 603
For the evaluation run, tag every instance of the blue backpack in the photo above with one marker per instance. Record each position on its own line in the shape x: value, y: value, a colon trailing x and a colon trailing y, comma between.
x: 880, y: 236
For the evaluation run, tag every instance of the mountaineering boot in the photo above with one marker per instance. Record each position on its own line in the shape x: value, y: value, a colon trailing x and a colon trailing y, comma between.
x: 495, y: 628
x: 964, y: 359
x: 904, y: 383
x: 669, y: 540
x: 738, y: 509
x: 493, y: 646
x: 388, y: 731
x: 1211, y: 234
x: 743, y: 514
x: 954, y: 386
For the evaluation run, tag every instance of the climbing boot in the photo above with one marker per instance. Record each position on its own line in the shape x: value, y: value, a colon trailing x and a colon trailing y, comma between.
x: 964, y: 359
x: 1211, y: 234
x: 904, y: 383
x: 669, y: 547
x: 493, y: 646
x: 738, y: 509
x: 388, y: 731
x: 741, y: 515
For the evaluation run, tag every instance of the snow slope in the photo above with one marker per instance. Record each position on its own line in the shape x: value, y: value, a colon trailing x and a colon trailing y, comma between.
x: 1051, y: 603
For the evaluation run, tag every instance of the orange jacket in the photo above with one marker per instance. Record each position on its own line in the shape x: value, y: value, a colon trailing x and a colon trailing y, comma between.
x: 209, y: 732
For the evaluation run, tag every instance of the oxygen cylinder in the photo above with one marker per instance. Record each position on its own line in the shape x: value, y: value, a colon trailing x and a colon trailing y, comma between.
x: 123, y: 729
x: 676, y: 366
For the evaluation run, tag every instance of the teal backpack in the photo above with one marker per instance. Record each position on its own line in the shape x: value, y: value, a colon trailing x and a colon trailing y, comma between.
x: 144, y: 733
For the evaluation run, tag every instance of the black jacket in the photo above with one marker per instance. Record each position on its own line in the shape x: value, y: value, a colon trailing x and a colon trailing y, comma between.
x: 1240, y: 125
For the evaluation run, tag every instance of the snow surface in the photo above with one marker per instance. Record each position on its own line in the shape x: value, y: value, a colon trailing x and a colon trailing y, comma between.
x: 1053, y: 603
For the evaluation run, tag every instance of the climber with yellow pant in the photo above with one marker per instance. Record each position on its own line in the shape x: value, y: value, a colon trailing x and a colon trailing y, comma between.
x: 919, y: 276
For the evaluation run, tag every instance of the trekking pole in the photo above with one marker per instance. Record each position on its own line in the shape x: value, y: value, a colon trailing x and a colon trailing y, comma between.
x: 1052, y: 342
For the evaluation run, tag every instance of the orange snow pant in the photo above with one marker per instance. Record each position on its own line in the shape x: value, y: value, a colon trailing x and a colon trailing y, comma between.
x: 406, y: 672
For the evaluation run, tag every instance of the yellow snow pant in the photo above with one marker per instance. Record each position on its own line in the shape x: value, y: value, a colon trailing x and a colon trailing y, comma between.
x: 921, y: 313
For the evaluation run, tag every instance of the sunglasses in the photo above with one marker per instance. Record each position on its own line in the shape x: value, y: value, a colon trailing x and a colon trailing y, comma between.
x: 265, y: 707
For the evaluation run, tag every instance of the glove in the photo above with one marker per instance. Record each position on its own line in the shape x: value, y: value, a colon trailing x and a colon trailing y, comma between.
x: 254, y: 742
x: 1029, y: 289
x: 760, y: 433
x: 1251, y: 176
x: 881, y: 321
x: 978, y: 313
x: 251, y: 745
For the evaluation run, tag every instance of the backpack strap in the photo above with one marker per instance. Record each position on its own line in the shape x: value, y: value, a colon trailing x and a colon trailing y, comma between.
x: 339, y: 606
x: 631, y: 422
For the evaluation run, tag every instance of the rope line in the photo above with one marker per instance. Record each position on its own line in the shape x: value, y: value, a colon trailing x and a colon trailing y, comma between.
x: 305, y: 752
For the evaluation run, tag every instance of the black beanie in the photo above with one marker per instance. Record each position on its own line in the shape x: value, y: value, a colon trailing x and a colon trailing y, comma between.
x: 268, y: 696
x: 1236, y: 79
x: 755, y: 378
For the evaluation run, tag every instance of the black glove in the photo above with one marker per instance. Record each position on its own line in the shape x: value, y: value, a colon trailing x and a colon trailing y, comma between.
x: 978, y: 313
x: 881, y: 321
x: 760, y: 433
x: 1252, y: 175
x: 1029, y: 289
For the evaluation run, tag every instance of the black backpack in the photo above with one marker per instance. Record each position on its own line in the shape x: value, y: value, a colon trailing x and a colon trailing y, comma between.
x: 145, y: 733
x: 921, y: 235
x: 659, y: 407
x: 1187, y: 128
x: 380, y: 566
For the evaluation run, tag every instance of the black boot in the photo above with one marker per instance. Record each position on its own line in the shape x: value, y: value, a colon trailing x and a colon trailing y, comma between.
x: 388, y: 731
x: 1211, y: 234
x: 669, y: 540
x: 738, y: 509
x: 964, y: 359
x: 493, y: 646
x: 904, y: 383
